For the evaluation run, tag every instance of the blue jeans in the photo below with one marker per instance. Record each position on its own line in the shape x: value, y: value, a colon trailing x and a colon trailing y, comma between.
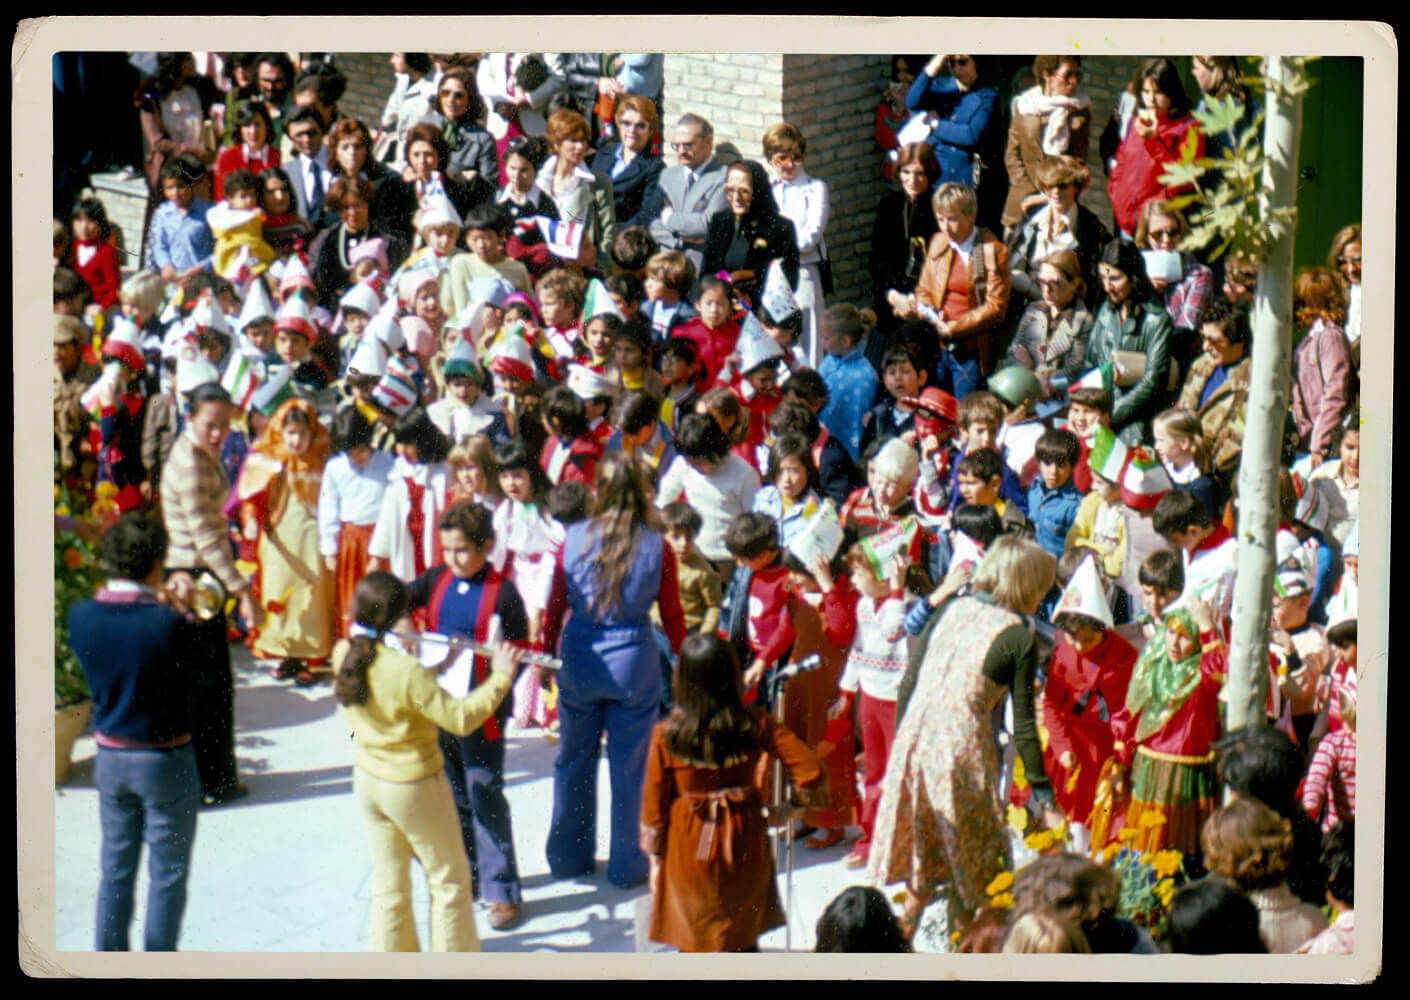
x: 152, y: 796
x: 475, y: 767
x: 572, y: 838
x: 958, y: 378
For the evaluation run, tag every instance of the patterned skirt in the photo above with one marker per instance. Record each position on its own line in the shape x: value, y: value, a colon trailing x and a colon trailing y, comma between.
x: 1183, y: 791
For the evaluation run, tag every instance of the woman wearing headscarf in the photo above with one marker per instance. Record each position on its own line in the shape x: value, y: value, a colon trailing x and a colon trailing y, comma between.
x: 278, y: 496
x: 747, y: 235
x: 1173, y: 703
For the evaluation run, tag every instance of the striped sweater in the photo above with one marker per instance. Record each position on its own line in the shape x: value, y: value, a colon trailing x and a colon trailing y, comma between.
x: 1331, y: 779
x: 880, y: 652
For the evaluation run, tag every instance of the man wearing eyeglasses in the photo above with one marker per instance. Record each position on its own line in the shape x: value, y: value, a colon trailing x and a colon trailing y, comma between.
x: 690, y: 192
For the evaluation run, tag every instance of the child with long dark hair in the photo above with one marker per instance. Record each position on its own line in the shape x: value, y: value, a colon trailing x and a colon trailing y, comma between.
x: 712, y: 878
x: 394, y: 706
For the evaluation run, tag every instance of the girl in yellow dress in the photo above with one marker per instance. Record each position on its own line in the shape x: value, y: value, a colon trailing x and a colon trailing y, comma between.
x: 278, y: 494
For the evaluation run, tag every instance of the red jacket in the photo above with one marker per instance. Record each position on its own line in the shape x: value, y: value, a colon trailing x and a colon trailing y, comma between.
x: 713, y: 347
x: 580, y: 463
x: 1135, y: 179
x: 233, y: 158
x: 100, y: 274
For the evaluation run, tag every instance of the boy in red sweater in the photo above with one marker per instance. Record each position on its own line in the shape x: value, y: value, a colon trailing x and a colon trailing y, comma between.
x: 763, y: 620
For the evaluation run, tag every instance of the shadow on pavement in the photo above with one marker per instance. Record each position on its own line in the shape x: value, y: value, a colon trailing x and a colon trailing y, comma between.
x: 287, y: 786
x: 269, y: 706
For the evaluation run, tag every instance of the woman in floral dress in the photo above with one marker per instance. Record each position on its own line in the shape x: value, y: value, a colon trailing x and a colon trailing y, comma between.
x: 941, y: 817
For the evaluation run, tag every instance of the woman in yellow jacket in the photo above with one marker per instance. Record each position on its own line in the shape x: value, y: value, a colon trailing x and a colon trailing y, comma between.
x: 393, y: 706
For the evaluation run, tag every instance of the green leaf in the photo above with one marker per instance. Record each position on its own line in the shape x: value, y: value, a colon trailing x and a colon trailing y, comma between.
x: 1220, y: 115
x: 1178, y: 175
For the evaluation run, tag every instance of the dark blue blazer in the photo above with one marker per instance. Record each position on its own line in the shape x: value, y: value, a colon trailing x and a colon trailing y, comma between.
x: 636, y: 191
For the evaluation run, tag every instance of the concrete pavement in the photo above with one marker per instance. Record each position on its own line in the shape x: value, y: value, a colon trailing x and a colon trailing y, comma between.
x: 287, y: 869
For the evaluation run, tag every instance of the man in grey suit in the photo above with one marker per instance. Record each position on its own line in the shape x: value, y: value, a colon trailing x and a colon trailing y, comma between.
x: 309, y: 176
x: 691, y: 192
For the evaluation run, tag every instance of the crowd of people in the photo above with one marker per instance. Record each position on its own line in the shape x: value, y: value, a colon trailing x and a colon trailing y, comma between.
x: 958, y: 563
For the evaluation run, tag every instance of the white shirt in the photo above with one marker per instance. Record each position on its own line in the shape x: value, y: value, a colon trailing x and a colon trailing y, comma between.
x: 804, y: 202
x: 965, y: 248
x: 350, y: 495
x: 716, y: 498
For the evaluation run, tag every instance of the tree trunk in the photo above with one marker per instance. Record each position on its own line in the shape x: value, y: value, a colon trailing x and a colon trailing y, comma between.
x: 1259, y: 513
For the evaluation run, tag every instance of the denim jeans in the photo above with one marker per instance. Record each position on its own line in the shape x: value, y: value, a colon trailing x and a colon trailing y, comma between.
x: 151, y: 796
x: 958, y: 378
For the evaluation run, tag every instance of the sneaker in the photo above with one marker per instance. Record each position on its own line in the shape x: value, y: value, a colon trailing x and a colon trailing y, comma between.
x: 503, y: 916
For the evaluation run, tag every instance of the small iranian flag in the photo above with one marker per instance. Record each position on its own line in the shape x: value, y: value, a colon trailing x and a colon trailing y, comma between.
x: 240, y: 380
x: 1103, y: 377
x: 898, y: 539
x: 565, y: 239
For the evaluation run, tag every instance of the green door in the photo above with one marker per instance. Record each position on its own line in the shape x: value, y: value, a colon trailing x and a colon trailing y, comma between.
x: 1329, y: 157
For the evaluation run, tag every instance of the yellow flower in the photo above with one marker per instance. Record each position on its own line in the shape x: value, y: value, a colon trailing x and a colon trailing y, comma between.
x: 1039, y: 841
x: 61, y: 511
x: 1151, y: 819
x: 1166, y: 863
x: 1018, y: 819
x: 106, y: 491
x: 1003, y: 901
x: 954, y: 936
x: 1109, y: 853
x: 1128, y: 833
x: 104, y: 509
x: 1165, y: 889
x: 999, y: 883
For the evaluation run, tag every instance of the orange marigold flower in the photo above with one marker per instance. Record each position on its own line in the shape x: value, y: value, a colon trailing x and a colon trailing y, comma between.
x: 73, y: 558
x: 1128, y: 833
x: 1039, y: 841
x: 1003, y: 901
x: 999, y: 883
x: 1166, y: 863
x: 1151, y: 819
x: 1109, y: 853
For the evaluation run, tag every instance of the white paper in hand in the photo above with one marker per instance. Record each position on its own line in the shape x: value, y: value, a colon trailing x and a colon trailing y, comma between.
x: 822, y: 535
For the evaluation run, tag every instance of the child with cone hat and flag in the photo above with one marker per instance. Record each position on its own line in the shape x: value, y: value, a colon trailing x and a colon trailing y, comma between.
x: 120, y: 401
x: 1084, y: 698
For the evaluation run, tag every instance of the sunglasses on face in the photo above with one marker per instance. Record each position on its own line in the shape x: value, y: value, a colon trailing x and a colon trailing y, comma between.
x: 1164, y: 234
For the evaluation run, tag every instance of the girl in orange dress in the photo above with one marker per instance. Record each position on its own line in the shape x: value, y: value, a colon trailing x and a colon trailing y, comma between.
x: 702, y: 823
x: 278, y: 494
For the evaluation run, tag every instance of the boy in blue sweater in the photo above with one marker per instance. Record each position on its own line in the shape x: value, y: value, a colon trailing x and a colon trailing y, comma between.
x: 1053, y: 499
x: 135, y: 654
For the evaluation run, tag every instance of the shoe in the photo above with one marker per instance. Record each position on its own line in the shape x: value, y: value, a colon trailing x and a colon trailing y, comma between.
x: 229, y: 794
x: 828, y: 838
x: 857, y: 859
x: 504, y: 915
x: 286, y: 669
x: 306, y: 678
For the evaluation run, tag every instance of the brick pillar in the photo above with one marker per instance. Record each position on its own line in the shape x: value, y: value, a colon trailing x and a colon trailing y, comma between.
x: 831, y: 98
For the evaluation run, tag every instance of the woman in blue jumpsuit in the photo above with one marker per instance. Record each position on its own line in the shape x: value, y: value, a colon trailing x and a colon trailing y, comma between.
x: 613, y: 568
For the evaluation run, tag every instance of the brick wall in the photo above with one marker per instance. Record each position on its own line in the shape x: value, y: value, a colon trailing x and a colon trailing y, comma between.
x: 370, y: 81
x: 1104, y: 78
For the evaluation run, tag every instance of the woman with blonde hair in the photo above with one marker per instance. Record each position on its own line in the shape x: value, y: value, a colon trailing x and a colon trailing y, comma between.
x: 940, y: 819
x: 278, y: 495
x: 1252, y: 846
x: 613, y: 567
x: 635, y: 171
x: 1044, y: 933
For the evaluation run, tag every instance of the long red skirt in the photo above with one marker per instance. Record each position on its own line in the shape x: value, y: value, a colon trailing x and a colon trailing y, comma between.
x: 352, y: 567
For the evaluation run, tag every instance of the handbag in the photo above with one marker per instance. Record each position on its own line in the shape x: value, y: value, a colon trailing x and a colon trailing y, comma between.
x: 825, y: 274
